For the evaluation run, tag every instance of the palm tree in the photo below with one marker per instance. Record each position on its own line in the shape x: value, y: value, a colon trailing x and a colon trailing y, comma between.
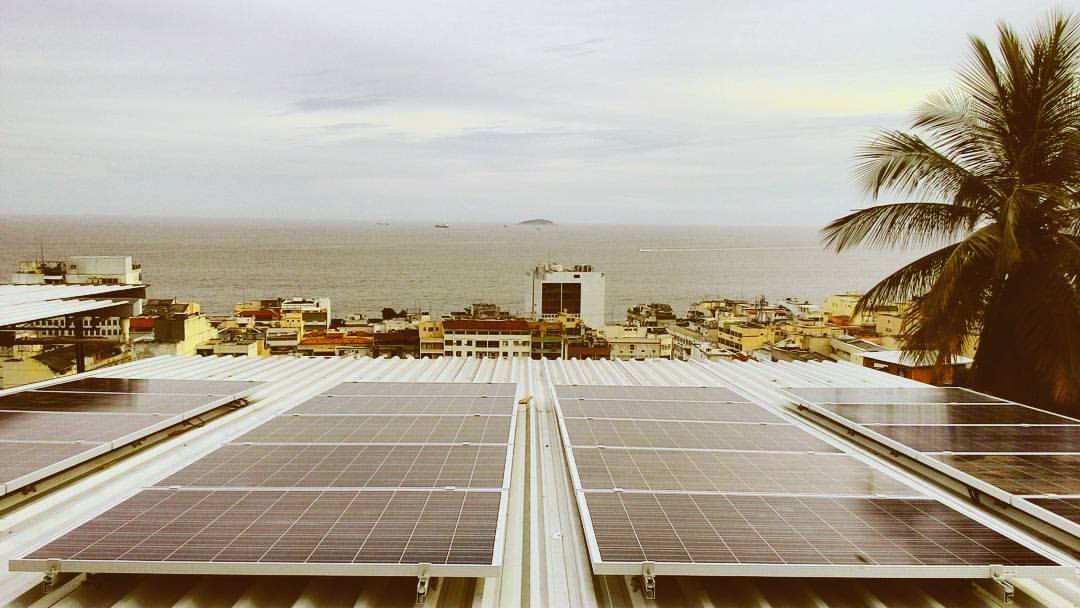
x: 994, y: 168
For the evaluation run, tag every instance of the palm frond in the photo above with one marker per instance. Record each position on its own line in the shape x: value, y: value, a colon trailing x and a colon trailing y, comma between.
x: 900, y: 225
x: 907, y: 164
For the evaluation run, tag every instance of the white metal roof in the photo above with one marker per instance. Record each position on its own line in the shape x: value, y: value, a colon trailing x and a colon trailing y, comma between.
x: 49, y: 309
x: 24, y: 294
x: 546, y: 562
x: 899, y: 357
x: 27, y: 303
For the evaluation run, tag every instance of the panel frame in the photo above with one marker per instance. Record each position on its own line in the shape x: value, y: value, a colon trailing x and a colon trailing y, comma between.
x: 606, y: 568
x: 927, y: 460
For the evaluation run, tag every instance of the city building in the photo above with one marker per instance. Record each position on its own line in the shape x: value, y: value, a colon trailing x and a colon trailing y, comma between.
x: 169, y: 327
x: 576, y: 291
x: 335, y: 344
x: 486, y: 339
x: 744, y: 336
x: 651, y: 315
x: 403, y: 343
x: 314, y: 312
x: 548, y: 339
x: 80, y: 270
x: 236, y: 341
x: 638, y: 343
x: 431, y: 339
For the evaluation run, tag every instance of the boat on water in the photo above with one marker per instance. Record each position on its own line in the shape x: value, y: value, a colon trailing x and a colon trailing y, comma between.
x: 442, y: 225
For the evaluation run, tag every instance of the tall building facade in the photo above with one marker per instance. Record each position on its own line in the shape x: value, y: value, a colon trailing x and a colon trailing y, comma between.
x: 574, y: 291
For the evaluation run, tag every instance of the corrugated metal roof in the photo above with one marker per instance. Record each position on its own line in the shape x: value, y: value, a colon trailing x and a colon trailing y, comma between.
x: 22, y: 294
x: 49, y: 309
x: 546, y: 561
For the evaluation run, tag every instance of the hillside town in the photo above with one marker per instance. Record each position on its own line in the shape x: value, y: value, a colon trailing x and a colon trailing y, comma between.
x: 563, y: 317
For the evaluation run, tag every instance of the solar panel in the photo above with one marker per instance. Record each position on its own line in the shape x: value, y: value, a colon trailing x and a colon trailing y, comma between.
x: 134, y: 403
x: 666, y: 410
x: 24, y: 458
x: 67, y: 426
x: 709, y: 471
x: 377, y: 491
x: 332, y: 466
x: 969, y: 438
x: 1004, y: 449
x: 436, y: 389
x: 692, y: 435
x: 139, y: 385
x: 698, y: 497
x: 1021, y: 474
x: 649, y: 393
x: 945, y: 413
x: 218, y: 527
x: 69, y: 423
x: 794, y: 530
x: 930, y: 394
x: 412, y: 404
x: 381, y: 429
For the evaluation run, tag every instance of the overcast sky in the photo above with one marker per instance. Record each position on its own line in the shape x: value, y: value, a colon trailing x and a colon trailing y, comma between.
x: 714, y: 112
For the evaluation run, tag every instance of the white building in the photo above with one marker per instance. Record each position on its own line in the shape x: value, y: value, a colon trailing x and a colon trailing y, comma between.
x: 486, y: 339
x: 314, y: 311
x: 576, y: 290
x: 80, y: 270
x: 638, y: 343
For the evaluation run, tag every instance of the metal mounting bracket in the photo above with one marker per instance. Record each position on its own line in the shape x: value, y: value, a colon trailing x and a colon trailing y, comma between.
x: 52, y: 574
x: 423, y: 581
x: 648, y: 580
x: 1000, y: 576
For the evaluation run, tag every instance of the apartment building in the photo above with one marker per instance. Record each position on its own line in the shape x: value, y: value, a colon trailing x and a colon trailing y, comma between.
x: 486, y: 339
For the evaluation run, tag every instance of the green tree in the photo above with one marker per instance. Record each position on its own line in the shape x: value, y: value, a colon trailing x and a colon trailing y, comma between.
x: 993, y: 168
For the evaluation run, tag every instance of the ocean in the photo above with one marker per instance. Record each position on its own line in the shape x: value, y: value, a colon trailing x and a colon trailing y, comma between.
x: 364, y: 266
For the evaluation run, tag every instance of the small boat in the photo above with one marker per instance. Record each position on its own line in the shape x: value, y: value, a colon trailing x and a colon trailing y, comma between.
x: 442, y: 225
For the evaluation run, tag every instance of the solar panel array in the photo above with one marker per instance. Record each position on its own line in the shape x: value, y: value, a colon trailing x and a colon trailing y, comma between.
x: 1024, y: 456
x: 366, y: 478
x: 700, y: 481
x: 53, y: 428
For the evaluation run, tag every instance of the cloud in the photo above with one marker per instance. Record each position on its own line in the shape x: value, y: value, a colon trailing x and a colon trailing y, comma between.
x: 733, y: 112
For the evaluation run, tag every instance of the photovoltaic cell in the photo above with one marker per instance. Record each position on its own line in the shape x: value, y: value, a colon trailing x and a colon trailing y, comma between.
x: 413, y: 404
x: 759, y: 472
x: 692, y: 435
x: 438, y: 389
x: 666, y: 410
x: 649, y: 393
x: 134, y: 403
x: 733, y: 529
x: 985, y: 438
x: 892, y: 395
x: 1021, y: 474
x: 381, y: 429
x: 133, y: 385
x: 293, y: 527
x: 941, y: 414
x: 351, y: 466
